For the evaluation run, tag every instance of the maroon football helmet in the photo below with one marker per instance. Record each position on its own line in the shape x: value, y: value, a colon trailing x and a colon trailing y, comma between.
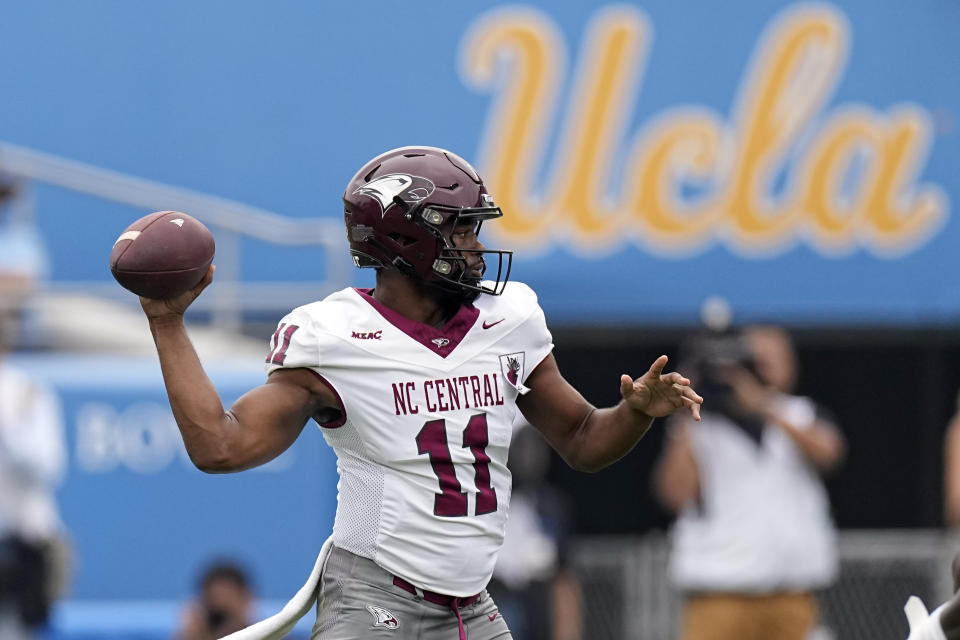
x: 400, y: 209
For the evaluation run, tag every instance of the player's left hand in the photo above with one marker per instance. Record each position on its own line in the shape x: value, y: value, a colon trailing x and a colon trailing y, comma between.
x: 659, y: 394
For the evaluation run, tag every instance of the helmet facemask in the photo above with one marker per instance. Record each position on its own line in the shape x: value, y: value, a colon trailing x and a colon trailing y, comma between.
x: 452, y: 270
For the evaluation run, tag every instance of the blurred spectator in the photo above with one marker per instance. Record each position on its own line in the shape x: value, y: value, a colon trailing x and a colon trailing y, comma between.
x: 753, y: 538
x: 532, y: 585
x: 23, y: 259
x: 951, y: 467
x: 32, y: 461
x: 224, y: 604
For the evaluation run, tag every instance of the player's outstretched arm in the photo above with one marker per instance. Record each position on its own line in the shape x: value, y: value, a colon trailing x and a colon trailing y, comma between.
x: 588, y: 438
x: 260, y: 425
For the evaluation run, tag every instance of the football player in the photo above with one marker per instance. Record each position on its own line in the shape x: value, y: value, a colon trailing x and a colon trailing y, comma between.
x: 416, y: 384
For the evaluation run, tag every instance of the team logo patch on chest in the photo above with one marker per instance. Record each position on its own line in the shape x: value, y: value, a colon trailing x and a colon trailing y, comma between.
x: 512, y: 367
x: 382, y: 617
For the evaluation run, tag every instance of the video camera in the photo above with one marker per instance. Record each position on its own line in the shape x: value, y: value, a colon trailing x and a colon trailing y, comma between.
x: 711, y: 357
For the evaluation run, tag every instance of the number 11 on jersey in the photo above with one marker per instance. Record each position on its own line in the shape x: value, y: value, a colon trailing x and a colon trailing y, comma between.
x: 451, y: 501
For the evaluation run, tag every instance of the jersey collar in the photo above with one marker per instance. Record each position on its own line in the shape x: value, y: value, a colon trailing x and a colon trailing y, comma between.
x: 441, y: 341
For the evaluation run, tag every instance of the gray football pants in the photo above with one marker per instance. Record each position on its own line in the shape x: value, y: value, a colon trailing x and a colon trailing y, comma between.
x: 358, y: 600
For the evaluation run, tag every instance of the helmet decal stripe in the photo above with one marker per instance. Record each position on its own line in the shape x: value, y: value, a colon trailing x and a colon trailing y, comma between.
x: 385, y: 188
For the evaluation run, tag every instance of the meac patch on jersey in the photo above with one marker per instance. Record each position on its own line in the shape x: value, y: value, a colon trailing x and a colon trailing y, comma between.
x: 425, y: 426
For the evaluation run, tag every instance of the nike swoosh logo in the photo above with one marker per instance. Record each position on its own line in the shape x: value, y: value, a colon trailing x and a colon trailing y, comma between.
x: 494, y: 616
x: 487, y: 325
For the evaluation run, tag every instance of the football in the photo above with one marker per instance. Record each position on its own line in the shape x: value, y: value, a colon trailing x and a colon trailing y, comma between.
x: 161, y: 255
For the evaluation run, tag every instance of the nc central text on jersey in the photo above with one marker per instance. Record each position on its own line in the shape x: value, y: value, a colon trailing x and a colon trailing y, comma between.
x: 447, y: 394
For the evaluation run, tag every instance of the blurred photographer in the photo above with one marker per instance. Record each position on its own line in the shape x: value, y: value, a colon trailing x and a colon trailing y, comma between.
x: 225, y: 604
x: 753, y: 537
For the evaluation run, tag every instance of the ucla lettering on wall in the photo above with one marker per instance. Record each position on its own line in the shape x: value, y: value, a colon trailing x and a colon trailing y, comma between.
x: 791, y: 159
x: 784, y: 200
x: 787, y: 82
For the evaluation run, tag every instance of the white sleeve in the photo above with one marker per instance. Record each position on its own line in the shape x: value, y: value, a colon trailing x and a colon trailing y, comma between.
x: 798, y: 411
x: 541, y: 340
x: 295, y: 343
x: 532, y: 337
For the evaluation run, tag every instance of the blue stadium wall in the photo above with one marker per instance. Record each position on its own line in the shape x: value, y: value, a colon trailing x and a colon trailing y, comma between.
x: 143, y: 521
x: 800, y: 159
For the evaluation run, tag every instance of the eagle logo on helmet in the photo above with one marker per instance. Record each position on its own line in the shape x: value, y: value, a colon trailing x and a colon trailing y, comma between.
x: 384, y: 189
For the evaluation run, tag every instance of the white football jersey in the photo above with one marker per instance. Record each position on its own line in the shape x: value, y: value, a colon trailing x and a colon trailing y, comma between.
x: 425, y: 426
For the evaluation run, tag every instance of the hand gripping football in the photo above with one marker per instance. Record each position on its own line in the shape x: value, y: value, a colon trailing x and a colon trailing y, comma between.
x: 161, y: 255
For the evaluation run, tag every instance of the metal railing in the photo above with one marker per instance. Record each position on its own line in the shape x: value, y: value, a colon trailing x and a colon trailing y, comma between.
x: 628, y: 595
x: 229, y: 220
